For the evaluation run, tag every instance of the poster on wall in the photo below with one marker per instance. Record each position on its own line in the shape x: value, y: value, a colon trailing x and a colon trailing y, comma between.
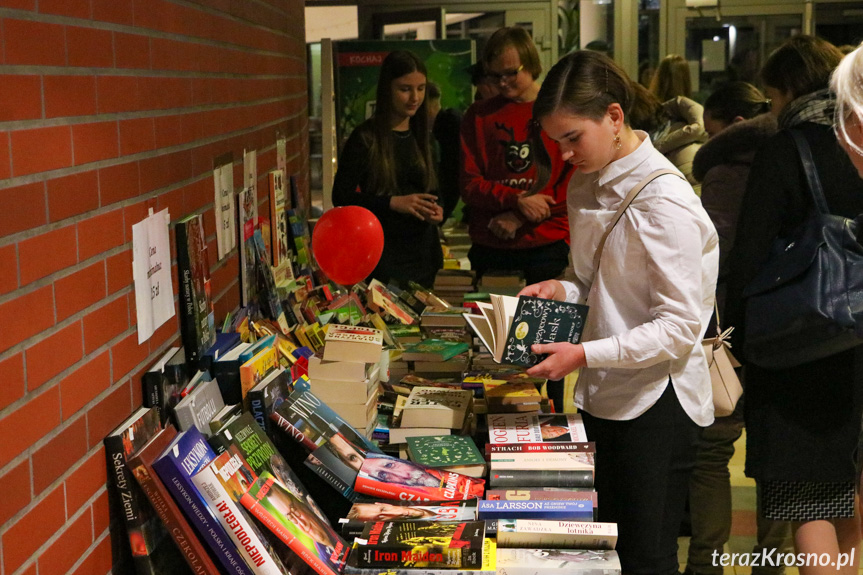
x: 357, y: 63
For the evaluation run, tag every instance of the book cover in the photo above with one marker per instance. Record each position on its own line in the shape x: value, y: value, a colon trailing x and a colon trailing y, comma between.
x: 319, y: 368
x: 197, y: 315
x: 535, y: 428
x: 187, y: 454
x: 384, y: 301
x: 247, y: 215
x: 529, y: 533
x: 184, y: 537
x: 225, y: 342
x: 489, y: 564
x: 551, y: 447
x: 245, y: 537
x: 360, y: 514
x: 199, y: 407
x: 448, y: 317
x: 265, y: 397
x: 420, y: 544
x: 444, y: 451
x: 388, y: 477
x: 436, y: 407
x: 565, y: 510
x: 164, y: 382
x: 256, y: 369
x: 541, y: 478
x: 268, y: 296
x: 538, y: 320
x: 353, y: 343
x: 433, y: 350
x: 143, y: 530
x: 226, y: 370
x: 543, y: 494
x: 510, y: 393
x: 559, y: 460
x: 575, y: 561
x: 278, y: 218
x: 314, y: 541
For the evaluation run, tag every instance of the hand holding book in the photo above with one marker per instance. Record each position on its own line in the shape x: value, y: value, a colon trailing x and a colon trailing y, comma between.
x: 549, y: 289
x: 562, y: 358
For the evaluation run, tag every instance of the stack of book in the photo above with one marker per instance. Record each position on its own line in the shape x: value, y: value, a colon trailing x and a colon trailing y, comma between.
x: 346, y: 374
x: 433, y: 411
x: 502, y: 282
x: 452, y: 285
x: 437, y: 357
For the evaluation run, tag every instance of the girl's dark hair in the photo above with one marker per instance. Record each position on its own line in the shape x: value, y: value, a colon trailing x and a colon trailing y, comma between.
x: 734, y: 99
x: 801, y: 65
x: 647, y: 112
x: 382, y: 176
x: 671, y: 79
x: 583, y: 83
x: 519, y: 39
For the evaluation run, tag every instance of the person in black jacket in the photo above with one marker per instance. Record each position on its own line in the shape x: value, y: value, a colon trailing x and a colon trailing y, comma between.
x: 386, y: 166
x: 801, y: 422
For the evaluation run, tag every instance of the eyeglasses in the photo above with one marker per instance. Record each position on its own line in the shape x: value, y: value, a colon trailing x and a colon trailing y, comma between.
x: 504, y: 76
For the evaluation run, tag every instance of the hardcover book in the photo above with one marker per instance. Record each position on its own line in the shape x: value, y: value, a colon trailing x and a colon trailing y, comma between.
x: 553, y: 561
x: 433, y: 350
x: 265, y: 397
x: 450, y: 452
x: 226, y: 370
x: 247, y: 214
x: 184, y: 537
x: 509, y: 326
x: 558, y: 460
x: 187, y: 454
x: 541, y: 478
x: 388, y: 477
x: 415, y: 544
x: 199, y: 407
x: 164, y: 382
x: 255, y: 370
x: 288, y: 517
x: 360, y: 514
x: 489, y: 563
x: 197, y: 316
x: 535, y: 428
x: 353, y: 344
x: 143, y: 529
x: 543, y: 494
x: 436, y: 407
x: 542, y: 533
x: 572, y: 510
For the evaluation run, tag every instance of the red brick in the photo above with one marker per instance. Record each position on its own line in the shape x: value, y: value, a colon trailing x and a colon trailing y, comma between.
x: 165, y: 332
x: 101, y: 510
x: 99, y: 234
x: 52, y: 354
x: 41, y: 149
x: 119, y: 269
x: 161, y: 93
x: 98, y: 561
x: 112, y: 11
x: 28, y: 424
x: 127, y: 354
x: 23, y: 538
x: 43, y: 255
x: 198, y: 194
x: 26, y: 316
x: 105, y: 323
x: 21, y: 97
x: 138, y: 135
x: 65, y: 8
x: 106, y: 415
x: 131, y: 50
x: 9, y: 265
x: 79, y: 290
x: 87, y: 477
x: 15, y: 486
x: 94, y: 142
x: 118, y: 183
x: 34, y: 43
x: 69, y: 546
x: 165, y: 170
x: 89, y: 47
x: 5, y: 157
x: 11, y: 382
x: 59, y: 455
x: 69, y: 96
x: 169, y: 132
x: 117, y: 94
x: 19, y: 4
x: 82, y: 385
x: 72, y: 195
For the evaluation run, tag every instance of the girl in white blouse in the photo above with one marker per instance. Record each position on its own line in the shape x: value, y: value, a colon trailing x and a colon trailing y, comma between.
x: 644, y: 387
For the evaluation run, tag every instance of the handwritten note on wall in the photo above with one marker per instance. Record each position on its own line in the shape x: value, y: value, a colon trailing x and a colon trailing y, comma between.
x: 151, y: 272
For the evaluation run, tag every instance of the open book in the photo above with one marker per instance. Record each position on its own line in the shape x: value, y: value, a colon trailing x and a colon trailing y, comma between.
x: 509, y: 326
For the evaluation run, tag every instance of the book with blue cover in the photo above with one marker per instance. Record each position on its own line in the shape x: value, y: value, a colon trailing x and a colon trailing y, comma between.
x: 573, y: 510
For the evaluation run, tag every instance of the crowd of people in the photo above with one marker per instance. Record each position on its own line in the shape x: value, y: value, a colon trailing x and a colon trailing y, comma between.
x: 665, y: 210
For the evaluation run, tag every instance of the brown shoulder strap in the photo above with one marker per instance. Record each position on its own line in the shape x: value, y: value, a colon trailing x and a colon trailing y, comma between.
x: 622, y: 208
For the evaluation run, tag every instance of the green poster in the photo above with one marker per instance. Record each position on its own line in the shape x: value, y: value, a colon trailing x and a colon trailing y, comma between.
x: 356, y: 69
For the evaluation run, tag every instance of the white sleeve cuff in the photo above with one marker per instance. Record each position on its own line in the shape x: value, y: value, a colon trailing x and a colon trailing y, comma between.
x: 572, y: 293
x: 601, y: 352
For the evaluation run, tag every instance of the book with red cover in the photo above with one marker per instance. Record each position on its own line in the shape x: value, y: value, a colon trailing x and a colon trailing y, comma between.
x: 170, y: 514
x: 288, y: 517
x: 388, y: 477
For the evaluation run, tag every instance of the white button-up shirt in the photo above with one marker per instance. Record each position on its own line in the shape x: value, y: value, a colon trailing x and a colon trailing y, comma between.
x: 652, y: 298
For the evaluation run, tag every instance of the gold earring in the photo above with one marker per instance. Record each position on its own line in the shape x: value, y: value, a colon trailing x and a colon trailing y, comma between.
x: 617, y: 143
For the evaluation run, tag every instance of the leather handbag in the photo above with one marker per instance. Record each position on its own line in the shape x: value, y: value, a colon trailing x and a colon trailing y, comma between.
x: 723, y: 379
x: 806, y: 303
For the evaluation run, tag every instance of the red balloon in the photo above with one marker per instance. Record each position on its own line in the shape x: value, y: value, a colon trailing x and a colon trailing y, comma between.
x: 348, y: 243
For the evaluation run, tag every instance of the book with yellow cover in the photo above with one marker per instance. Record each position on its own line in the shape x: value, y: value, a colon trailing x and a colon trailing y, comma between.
x: 256, y: 369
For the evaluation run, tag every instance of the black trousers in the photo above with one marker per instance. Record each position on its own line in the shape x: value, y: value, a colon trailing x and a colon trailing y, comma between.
x: 642, y: 479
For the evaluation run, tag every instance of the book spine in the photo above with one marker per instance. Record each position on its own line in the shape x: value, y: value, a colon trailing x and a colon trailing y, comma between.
x: 196, y: 510
x: 527, y: 494
x: 188, y: 305
x: 401, y: 556
x: 177, y: 526
x: 129, y: 494
x: 541, y: 478
x: 227, y: 374
x: 287, y: 538
x: 250, y: 547
x: 257, y: 407
x: 551, y: 447
x: 559, y: 510
x: 151, y: 382
x: 351, y: 570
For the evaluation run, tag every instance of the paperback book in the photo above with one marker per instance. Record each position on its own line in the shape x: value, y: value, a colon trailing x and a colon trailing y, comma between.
x: 388, y: 477
x: 554, y: 561
x: 572, y: 510
x: 360, y: 514
x: 197, y: 315
x: 532, y: 533
x: 449, y: 452
x: 414, y: 544
x: 535, y: 428
x: 433, y: 350
x: 436, y: 407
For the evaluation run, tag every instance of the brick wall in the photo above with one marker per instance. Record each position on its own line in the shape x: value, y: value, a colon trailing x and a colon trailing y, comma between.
x: 108, y: 108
